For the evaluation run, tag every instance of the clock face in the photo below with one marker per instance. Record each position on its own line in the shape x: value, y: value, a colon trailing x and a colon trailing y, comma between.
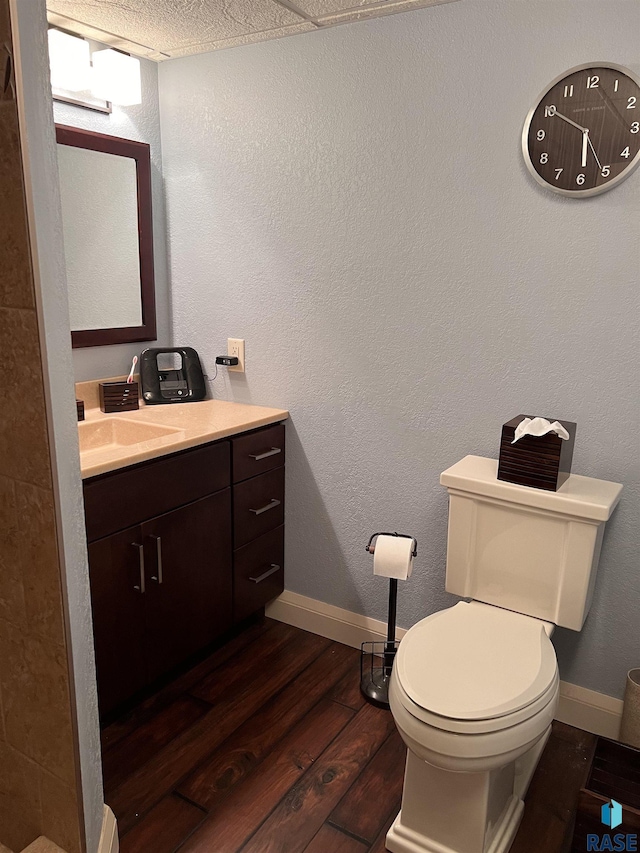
x: 583, y: 135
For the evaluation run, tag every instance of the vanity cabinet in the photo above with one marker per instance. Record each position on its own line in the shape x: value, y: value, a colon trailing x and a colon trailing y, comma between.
x: 180, y: 549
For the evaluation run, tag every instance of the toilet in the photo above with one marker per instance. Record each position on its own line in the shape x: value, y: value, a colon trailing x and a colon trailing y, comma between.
x: 475, y: 687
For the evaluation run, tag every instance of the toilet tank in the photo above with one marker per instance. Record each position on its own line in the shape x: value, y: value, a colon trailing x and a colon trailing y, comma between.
x: 524, y: 549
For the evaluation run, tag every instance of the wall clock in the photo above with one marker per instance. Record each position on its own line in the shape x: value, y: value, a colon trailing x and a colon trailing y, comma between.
x: 582, y: 136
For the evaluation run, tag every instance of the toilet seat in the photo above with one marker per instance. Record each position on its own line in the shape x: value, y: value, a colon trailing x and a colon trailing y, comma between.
x: 479, y: 727
x: 475, y: 668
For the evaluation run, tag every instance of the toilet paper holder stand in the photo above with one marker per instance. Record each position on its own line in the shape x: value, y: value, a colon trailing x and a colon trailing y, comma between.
x: 374, y: 679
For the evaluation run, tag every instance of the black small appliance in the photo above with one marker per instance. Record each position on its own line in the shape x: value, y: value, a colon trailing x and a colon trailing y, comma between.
x: 183, y: 384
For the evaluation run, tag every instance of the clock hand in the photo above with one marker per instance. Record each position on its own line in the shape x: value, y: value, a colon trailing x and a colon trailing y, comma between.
x: 579, y: 126
x: 585, y: 141
x: 594, y: 151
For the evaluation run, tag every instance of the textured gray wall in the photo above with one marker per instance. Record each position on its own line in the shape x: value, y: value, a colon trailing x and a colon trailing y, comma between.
x: 141, y: 123
x: 354, y: 204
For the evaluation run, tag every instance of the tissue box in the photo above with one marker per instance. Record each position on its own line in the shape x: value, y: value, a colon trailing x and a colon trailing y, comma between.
x: 542, y: 462
x: 118, y: 396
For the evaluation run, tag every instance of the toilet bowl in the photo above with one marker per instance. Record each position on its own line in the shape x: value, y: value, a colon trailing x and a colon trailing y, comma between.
x: 473, y: 692
x: 474, y: 687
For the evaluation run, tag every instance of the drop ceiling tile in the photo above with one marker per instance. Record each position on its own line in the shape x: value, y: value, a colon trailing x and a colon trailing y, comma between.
x: 280, y: 32
x: 320, y: 8
x: 340, y: 11
x: 167, y: 25
x: 89, y: 32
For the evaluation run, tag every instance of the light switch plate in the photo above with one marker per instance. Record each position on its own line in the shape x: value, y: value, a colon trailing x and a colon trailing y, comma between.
x: 235, y: 346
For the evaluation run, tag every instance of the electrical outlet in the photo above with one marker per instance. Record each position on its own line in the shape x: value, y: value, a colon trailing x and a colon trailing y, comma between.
x: 235, y: 346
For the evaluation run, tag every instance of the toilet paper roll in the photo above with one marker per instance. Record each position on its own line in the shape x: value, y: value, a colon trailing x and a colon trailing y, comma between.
x: 392, y: 557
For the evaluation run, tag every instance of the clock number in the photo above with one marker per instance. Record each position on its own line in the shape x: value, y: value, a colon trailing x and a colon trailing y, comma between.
x: 592, y: 82
x: 541, y: 135
x: 631, y: 103
x: 615, y: 86
x: 635, y: 127
x: 580, y: 180
x: 544, y: 158
x: 625, y: 152
x: 568, y: 91
x: 558, y: 173
x: 551, y: 110
x: 606, y: 171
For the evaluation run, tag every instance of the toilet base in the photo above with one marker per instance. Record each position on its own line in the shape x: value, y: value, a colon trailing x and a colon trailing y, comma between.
x: 451, y: 812
x: 401, y: 839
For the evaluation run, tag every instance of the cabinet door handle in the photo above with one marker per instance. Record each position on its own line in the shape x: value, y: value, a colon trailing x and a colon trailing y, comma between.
x: 266, y: 454
x: 142, y: 587
x: 271, y: 505
x: 274, y: 568
x: 158, y: 541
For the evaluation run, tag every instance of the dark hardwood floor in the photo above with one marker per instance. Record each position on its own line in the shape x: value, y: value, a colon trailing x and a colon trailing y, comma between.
x: 267, y: 746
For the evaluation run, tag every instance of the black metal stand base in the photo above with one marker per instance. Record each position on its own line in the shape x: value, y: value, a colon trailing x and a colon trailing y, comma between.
x: 376, y: 693
x: 374, y: 684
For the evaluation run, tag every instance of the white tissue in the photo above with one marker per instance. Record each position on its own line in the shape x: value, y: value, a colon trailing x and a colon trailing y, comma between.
x: 393, y: 557
x: 539, y: 426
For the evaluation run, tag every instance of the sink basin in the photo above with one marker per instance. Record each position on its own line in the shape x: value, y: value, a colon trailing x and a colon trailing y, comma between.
x: 118, y: 432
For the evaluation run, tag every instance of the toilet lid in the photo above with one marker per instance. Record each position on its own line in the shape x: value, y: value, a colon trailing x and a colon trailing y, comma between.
x: 475, y: 662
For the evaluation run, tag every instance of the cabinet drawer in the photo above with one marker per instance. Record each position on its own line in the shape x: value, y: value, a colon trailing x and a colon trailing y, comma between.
x: 128, y: 497
x: 258, y: 573
x: 257, y: 452
x: 258, y: 506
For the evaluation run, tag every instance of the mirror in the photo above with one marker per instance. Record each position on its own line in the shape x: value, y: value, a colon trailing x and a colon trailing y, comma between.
x: 105, y: 191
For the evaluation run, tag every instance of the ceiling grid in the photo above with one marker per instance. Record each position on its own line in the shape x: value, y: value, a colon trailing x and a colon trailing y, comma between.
x: 166, y: 29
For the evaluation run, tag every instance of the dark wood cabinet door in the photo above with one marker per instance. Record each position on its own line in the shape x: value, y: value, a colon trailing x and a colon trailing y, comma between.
x: 116, y: 573
x: 189, y: 586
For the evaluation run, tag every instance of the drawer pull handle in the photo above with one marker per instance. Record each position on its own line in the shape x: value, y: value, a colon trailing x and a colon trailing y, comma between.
x: 141, y: 587
x: 158, y: 577
x: 271, y: 505
x: 273, y: 452
x: 274, y: 568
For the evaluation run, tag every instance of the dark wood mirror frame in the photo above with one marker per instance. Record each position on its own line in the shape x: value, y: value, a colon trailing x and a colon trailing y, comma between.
x: 140, y: 152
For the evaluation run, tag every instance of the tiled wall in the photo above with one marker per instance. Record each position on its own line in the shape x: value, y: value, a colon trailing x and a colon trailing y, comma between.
x: 38, y: 772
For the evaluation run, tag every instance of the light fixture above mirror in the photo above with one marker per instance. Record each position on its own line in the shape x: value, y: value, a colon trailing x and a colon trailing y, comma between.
x: 92, y: 78
x: 69, y: 61
x: 116, y: 77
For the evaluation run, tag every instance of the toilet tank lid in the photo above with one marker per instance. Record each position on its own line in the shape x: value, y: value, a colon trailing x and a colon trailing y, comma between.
x: 583, y: 497
x: 473, y: 661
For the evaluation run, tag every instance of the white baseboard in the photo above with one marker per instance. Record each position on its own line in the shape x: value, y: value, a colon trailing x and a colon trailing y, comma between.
x: 585, y: 709
x: 109, y: 835
x: 589, y: 710
x: 327, y: 620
